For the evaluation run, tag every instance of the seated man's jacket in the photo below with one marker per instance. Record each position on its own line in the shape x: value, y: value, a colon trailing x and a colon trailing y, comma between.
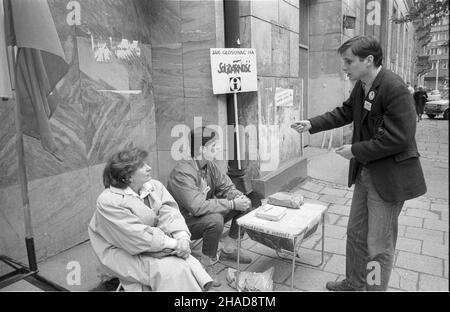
x: 185, y: 184
x: 384, y: 128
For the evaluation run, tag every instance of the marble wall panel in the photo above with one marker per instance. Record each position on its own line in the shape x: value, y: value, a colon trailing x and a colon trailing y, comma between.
x: 197, y: 68
x: 205, y: 108
x: 325, y: 20
x: 124, y: 19
x: 116, y: 118
x: 165, y: 21
x: 167, y: 66
x: 170, y: 112
x: 8, y: 150
x: 324, y: 63
x: 266, y: 10
x: 289, y: 139
x: 197, y: 21
x: 294, y: 54
x: 60, y: 206
x: 12, y: 229
x: 67, y: 125
x: 289, y: 16
x: 325, y: 42
x: 295, y: 3
x: 262, y: 42
x: 280, y: 51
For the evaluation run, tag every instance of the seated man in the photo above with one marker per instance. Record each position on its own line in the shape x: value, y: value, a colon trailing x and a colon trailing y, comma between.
x: 207, y: 199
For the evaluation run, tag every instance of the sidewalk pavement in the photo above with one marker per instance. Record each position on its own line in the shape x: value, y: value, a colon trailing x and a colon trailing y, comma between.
x: 421, y: 260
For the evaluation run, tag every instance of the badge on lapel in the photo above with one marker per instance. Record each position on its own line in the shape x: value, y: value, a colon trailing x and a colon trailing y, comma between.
x: 371, y: 96
x: 367, y: 105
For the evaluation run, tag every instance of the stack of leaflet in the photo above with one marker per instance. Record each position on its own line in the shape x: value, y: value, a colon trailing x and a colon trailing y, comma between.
x: 271, y: 212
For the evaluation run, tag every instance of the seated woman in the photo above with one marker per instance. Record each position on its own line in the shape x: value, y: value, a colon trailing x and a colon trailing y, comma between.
x: 138, y: 233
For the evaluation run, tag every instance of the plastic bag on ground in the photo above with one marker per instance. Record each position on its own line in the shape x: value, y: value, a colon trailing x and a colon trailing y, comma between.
x: 251, y: 281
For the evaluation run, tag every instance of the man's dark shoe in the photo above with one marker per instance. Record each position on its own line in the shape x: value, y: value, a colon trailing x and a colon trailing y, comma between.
x: 343, y: 285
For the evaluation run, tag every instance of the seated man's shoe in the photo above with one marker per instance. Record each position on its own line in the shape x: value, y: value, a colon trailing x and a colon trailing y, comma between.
x: 232, y: 256
x: 343, y: 285
x: 208, y: 265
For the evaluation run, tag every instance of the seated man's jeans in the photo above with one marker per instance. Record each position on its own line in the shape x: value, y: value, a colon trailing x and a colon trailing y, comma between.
x: 210, y: 228
x: 371, y: 236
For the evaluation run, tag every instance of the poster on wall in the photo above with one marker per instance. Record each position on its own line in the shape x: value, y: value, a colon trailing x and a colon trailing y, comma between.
x: 233, y: 70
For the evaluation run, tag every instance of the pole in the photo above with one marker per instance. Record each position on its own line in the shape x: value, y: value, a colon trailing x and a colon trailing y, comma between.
x: 437, y: 75
x: 23, y: 180
x: 238, y: 147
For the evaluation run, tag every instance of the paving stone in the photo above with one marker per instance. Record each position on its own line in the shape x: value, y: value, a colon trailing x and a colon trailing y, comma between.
x: 444, y: 215
x: 446, y: 269
x: 403, y: 279
x: 263, y: 250
x: 282, y: 269
x: 432, y: 283
x: 313, y: 240
x: 335, y: 231
x: 340, y: 210
x: 311, y: 279
x: 349, y: 194
x: 439, y: 207
x: 407, y: 244
x: 333, y: 245
x: 312, y: 187
x: 411, y: 221
x: 418, y: 204
x: 436, y: 225
x: 282, y: 287
x: 401, y: 230
x: 420, y: 263
x: 333, y: 199
x: 420, y: 213
x: 308, y: 194
x: 336, y: 264
x: 333, y: 191
x: 343, y: 221
x: 425, y: 234
x: 435, y: 250
x: 313, y: 257
x: 331, y: 218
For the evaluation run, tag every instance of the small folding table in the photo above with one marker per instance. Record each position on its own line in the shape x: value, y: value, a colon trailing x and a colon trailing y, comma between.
x: 287, y: 234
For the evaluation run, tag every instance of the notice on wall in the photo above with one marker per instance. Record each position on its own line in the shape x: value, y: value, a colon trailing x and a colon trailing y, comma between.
x: 233, y: 70
x: 284, y: 97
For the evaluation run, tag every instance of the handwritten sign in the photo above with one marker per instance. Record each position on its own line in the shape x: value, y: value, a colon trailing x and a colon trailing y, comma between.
x: 284, y: 97
x: 233, y: 70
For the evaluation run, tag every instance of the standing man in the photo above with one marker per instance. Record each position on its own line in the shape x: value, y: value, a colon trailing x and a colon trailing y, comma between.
x: 208, y: 199
x: 384, y: 162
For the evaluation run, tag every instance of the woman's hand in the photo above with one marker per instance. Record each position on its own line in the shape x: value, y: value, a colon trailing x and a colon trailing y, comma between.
x: 183, y: 249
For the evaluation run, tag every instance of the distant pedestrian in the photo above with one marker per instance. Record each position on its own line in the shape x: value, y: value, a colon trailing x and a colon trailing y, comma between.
x: 410, y: 89
x: 420, y: 98
x: 384, y: 162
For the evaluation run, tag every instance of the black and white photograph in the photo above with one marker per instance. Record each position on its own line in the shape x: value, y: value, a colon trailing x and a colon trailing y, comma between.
x: 227, y: 152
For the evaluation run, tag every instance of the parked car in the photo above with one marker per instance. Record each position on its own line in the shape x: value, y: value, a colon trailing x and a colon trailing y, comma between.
x: 437, y: 108
x: 434, y: 95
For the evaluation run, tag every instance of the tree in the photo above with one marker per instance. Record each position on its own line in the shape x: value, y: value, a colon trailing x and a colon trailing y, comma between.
x: 424, y: 14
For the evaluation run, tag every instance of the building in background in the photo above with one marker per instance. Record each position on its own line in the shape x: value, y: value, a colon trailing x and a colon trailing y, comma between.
x: 437, y: 77
x: 331, y: 24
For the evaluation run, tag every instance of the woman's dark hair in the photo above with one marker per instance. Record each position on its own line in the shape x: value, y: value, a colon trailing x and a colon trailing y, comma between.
x: 201, y: 136
x: 363, y: 46
x: 121, y: 166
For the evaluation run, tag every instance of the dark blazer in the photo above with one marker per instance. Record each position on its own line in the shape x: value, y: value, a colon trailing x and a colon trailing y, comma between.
x: 390, y: 152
